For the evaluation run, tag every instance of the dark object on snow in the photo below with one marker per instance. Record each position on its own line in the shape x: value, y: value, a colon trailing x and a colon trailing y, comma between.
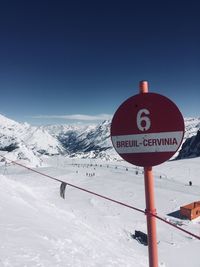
x: 190, y: 183
x: 62, y: 189
x: 141, y: 237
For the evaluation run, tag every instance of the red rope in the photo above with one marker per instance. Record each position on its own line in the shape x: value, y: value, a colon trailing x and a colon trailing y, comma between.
x: 176, y: 226
x: 104, y: 197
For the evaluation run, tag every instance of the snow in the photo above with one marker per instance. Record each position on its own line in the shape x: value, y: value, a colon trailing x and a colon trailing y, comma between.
x: 39, y: 139
x: 39, y: 228
x: 26, y: 142
x: 192, y: 126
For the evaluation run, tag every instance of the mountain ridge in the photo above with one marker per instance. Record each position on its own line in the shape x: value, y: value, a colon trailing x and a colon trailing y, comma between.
x: 25, y: 142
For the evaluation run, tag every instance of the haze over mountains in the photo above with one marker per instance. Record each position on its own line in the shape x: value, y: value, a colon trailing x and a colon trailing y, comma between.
x: 30, y: 143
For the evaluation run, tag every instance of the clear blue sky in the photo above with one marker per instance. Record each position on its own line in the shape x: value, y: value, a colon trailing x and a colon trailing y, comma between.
x: 84, y: 57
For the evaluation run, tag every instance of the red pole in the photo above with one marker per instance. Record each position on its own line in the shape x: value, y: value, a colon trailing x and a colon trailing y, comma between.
x: 150, y: 205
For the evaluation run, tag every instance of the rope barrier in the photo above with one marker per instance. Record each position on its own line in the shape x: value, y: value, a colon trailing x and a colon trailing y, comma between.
x: 176, y: 226
x: 103, y: 197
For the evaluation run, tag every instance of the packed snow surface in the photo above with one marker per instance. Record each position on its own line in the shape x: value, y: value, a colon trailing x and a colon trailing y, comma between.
x: 40, y: 229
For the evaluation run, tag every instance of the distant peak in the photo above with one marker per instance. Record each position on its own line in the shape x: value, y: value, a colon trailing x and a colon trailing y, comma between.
x: 6, y: 121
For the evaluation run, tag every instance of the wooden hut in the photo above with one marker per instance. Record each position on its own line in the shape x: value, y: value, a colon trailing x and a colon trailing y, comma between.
x: 190, y: 211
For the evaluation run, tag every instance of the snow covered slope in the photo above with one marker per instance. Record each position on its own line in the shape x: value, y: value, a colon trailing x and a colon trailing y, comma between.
x: 40, y: 229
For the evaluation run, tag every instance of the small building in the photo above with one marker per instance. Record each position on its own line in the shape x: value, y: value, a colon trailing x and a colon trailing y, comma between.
x: 190, y: 211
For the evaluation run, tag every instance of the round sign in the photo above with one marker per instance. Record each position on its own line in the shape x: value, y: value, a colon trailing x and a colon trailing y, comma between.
x: 147, y: 129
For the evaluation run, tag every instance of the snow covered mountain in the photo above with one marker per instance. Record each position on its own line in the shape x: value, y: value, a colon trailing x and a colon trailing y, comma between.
x: 191, y: 147
x: 94, y: 141
x: 86, y: 141
x: 25, y: 142
x: 192, y: 125
x: 30, y: 143
x: 191, y: 144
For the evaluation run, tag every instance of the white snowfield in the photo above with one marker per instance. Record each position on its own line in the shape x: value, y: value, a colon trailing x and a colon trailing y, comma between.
x: 40, y: 229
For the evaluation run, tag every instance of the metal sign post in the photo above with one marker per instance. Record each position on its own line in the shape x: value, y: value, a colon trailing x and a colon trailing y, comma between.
x: 146, y: 130
x: 151, y: 220
x: 150, y: 206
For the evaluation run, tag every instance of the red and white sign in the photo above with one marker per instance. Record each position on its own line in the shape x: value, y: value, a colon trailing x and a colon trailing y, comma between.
x: 147, y: 129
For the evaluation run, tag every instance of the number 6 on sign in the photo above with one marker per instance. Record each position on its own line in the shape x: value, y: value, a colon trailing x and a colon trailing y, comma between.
x: 141, y: 136
x: 143, y: 122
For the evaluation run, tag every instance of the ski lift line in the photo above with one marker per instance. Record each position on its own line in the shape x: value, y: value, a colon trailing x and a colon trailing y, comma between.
x: 104, y: 197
